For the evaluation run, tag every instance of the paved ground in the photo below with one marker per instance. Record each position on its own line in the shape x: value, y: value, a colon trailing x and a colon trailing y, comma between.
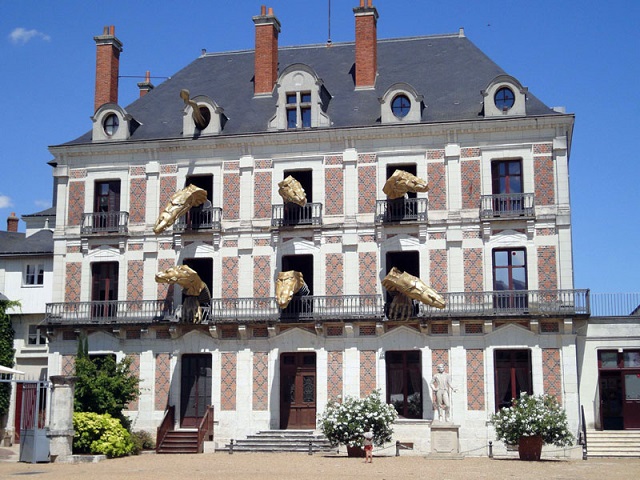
x: 265, y: 466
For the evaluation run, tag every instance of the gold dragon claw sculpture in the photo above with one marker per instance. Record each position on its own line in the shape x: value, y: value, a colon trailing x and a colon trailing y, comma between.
x: 197, y: 116
x: 402, y: 182
x: 291, y: 190
x: 195, y: 290
x: 412, y: 287
x: 287, y: 285
x: 179, y: 204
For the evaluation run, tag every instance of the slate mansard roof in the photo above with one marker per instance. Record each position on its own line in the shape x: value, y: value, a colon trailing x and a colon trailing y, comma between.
x: 449, y: 71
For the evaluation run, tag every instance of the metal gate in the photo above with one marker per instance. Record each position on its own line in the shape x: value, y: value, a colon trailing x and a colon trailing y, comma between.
x: 34, y: 443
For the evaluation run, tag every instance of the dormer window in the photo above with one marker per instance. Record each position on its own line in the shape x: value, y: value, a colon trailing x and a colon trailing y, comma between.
x: 299, y: 110
x: 211, y: 120
x: 401, y: 103
x: 504, y: 96
x: 302, y: 100
x: 111, y: 124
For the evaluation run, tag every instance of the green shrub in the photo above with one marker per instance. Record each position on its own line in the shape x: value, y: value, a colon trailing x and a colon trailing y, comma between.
x: 100, y: 435
x: 142, y: 440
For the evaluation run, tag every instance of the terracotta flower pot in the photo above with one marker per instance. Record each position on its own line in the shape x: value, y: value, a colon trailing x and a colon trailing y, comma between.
x: 530, y: 448
x: 355, y: 452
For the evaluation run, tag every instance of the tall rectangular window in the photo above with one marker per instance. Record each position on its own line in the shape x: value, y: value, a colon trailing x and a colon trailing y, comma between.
x: 512, y: 375
x: 506, y: 176
x: 34, y: 274
x: 509, y: 275
x: 404, y: 383
x: 298, y: 110
x: 35, y: 336
x: 106, y: 205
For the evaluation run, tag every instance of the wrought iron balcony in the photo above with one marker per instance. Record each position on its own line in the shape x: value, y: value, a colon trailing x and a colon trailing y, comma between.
x: 200, y: 218
x: 525, y: 303
x: 291, y: 215
x: 108, y: 312
x: 507, y: 205
x: 97, y: 223
x: 401, y: 209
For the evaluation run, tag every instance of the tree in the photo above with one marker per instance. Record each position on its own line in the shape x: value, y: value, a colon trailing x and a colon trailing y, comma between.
x: 103, y: 385
x: 6, y: 350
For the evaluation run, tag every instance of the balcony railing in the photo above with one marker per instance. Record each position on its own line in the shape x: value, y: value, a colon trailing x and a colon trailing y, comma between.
x: 511, y: 303
x: 200, y: 218
x: 401, y: 209
x: 108, y: 312
x: 506, y: 205
x: 291, y: 215
x: 311, y: 308
x: 615, y: 304
x: 105, y: 222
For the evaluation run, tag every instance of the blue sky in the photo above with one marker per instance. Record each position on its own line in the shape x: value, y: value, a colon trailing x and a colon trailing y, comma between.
x: 580, y: 54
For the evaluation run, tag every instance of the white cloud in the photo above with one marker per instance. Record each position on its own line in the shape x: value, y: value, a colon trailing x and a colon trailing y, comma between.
x: 5, y: 201
x: 20, y: 36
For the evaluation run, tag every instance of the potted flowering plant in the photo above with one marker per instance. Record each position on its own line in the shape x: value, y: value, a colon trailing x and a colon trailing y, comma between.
x: 345, y: 423
x: 535, y: 420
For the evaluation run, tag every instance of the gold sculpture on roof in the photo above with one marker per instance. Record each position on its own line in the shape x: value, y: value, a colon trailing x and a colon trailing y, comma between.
x: 401, y: 182
x: 287, y: 285
x: 197, y: 116
x: 412, y: 287
x: 291, y: 190
x: 179, y: 204
x: 195, y: 290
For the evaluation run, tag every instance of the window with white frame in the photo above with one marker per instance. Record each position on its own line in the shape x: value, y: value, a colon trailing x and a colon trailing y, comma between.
x: 298, y: 110
x: 34, y: 274
x: 36, y: 336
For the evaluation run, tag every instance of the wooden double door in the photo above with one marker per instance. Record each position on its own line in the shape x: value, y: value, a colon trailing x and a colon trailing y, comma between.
x: 195, y: 389
x: 298, y: 390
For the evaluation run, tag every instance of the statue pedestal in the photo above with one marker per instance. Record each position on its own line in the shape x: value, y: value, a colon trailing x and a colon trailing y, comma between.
x: 445, y: 441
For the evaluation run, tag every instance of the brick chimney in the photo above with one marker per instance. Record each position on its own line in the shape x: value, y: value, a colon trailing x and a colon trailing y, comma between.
x: 266, y: 55
x: 12, y: 223
x: 366, y: 44
x: 146, y: 86
x: 108, y: 49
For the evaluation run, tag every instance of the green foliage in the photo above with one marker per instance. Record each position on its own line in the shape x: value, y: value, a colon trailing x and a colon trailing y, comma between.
x: 347, y: 422
x: 142, y: 440
x: 6, y: 350
x: 100, y: 435
x: 104, y: 386
x: 532, y: 415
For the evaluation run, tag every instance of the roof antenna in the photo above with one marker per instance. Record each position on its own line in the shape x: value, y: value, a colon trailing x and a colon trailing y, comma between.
x: 329, y: 22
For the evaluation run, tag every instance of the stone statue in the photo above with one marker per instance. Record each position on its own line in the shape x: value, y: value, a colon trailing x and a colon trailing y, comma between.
x: 291, y: 190
x: 195, y: 290
x: 441, y: 386
x: 402, y: 182
x: 179, y: 204
x: 198, y: 119
x: 412, y: 287
x: 287, y: 285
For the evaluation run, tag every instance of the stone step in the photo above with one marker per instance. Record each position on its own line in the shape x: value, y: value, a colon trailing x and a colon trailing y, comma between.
x: 613, y: 443
x: 282, y: 441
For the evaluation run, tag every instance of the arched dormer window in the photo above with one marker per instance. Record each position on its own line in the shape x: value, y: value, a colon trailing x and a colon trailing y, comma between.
x: 302, y: 100
x: 504, y: 96
x: 401, y: 103
x: 212, y: 118
x: 112, y: 122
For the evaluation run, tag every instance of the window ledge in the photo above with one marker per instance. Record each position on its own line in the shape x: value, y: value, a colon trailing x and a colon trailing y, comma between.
x: 413, y: 421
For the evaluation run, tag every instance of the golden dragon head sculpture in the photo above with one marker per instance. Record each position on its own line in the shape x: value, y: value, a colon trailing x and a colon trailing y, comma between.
x: 179, y: 204
x: 412, y: 287
x: 287, y: 285
x: 291, y: 190
x: 402, y: 182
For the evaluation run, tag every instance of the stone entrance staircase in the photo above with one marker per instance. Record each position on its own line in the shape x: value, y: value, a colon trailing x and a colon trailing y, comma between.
x: 283, y: 441
x: 179, y: 441
x: 613, y: 443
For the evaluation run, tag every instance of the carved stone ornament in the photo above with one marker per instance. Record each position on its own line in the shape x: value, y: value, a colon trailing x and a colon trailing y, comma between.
x: 412, y: 287
x: 401, y: 182
x: 287, y: 285
x: 291, y: 190
x: 179, y: 204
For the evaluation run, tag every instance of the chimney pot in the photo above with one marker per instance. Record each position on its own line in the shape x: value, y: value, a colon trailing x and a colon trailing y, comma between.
x: 146, y: 86
x: 12, y: 222
x: 263, y: 10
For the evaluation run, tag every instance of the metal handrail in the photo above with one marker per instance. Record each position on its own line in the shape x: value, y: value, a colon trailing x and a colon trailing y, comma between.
x: 291, y: 215
x: 104, y: 222
x: 200, y: 218
x: 108, y: 312
x: 165, y: 426
x: 205, y: 428
x: 401, y: 209
x: 507, y: 205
